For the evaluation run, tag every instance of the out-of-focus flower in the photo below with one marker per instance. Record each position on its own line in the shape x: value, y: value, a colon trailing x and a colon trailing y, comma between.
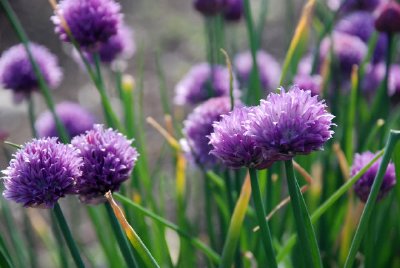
x: 290, y: 123
x: 17, y: 72
x: 91, y: 22
x: 202, y: 83
x: 209, y: 7
x: 108, y: 160
x: 233, y: 10
x: 305, y: 65
x: 361, y: 24
x: 309, y: 82
x: 40, y: 173
x: 363, y: 186
x: 388, y: 18
x: 199, y: 125
x: 374, y: 76
x: 353, y: 5
x: 347, y: 49
x: 232, y: 146
x: 75, y: 118
x: 269, y: 69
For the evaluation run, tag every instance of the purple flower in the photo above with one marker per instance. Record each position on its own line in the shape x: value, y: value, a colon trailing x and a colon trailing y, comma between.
x: 232, y: 146
x: 374, y: 77
x: 363, y: 186
x: 233, y: 10
x: 108, y: 160
x: 305, y: 65
x: 347, y: 49
x: 353, y: 5
x: 388, y: 18
x: 91, y: 22
x: 199, y: 125
x: 209, y: 7
x: 290, y: 123
x: 75, y: 118
x: 40, y: 173
x: 269, y: 69
x: 202, y: 83
x: 309, y: 82
x: 361, y: 24
x: 17, y: 73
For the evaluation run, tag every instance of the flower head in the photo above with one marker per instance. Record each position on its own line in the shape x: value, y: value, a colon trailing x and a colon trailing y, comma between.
x: 209, y: 7
x: 388, y: 19
x: 90, y: 22
x: 41, y: 172
x: 353, y: 5
x: 290, y: 123
x: 231, y: 145
x: 202, y: 83
x: 309, y: 82
x: 17, y: 73
x: 199, y: 125
x: 75, y: 118
x: 233, y: 10
x: 363, y: 186
x: 108, y: 160
x: 269, y: 69
x: 375, y: 75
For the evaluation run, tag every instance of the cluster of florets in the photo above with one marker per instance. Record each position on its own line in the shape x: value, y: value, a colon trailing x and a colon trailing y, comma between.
x: 44, y: 170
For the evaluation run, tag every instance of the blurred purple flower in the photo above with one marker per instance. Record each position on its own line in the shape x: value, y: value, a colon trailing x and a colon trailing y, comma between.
x: 268, y: 68
x: 290, y: 123
x: 348, y: 50
x: 305, y: 65
x: 233, y: 10
x: 361, y: 24
x: 388, y: 17
x: 309, y: 82
x: 363, y: 186
x: 41, y: 172
x: 91, y: 22
x: 374, y: 76
x: 232, y: 146
x: 18, y: 75
x: 202, y: 83
x: 199, y: 125
x: 108, y: 160
x: 354, y: 5
x: 209, y: 7
x: 75, y: 118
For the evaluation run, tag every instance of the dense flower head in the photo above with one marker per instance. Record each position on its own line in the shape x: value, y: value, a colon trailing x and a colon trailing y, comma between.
x: 361, y: 24
x: 209, y: 7
x: 75, y: 118
x: 388, y: 17
x: 290, y: 123
x: 203, y: 82
x: 349, y: 50
x: 108, y: 160
x: 231, y: 145
x: 41, y: 172
x: 91, y: 22
x: 269, y: 69
x: 363, y: 186
x: 309, y: 82
x: 233, y: 10
x: 17, y: 73
x: 199, y: 125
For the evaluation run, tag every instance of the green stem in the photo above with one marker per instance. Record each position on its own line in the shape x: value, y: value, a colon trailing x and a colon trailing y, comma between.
x: 58, y: 237
x: 367, y: 212
x: 304, y: 227
x: 68, y: 236
x: 31, y: 114
x: 266, y: 234
x: 121, y: 238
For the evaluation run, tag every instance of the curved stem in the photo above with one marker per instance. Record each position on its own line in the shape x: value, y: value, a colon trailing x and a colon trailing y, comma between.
x: 266, y: 234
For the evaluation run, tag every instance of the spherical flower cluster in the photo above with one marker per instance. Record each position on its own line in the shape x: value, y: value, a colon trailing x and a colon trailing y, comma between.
x: 209, y: 7
x: 108, y: 160
x: 348, y: 50
x: 309, y: 82
x: 388, y: 18
x: 290, y: 123
x: 40, y: 173
x: 203, y: 82
x: 18, y: 75
x: 363, y: 186
x: 269, y: 69
x: 90, y: 22
x: 233, y: 10
x: 232, y: 146
x: 199, y: 125
x: 75, y: 118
